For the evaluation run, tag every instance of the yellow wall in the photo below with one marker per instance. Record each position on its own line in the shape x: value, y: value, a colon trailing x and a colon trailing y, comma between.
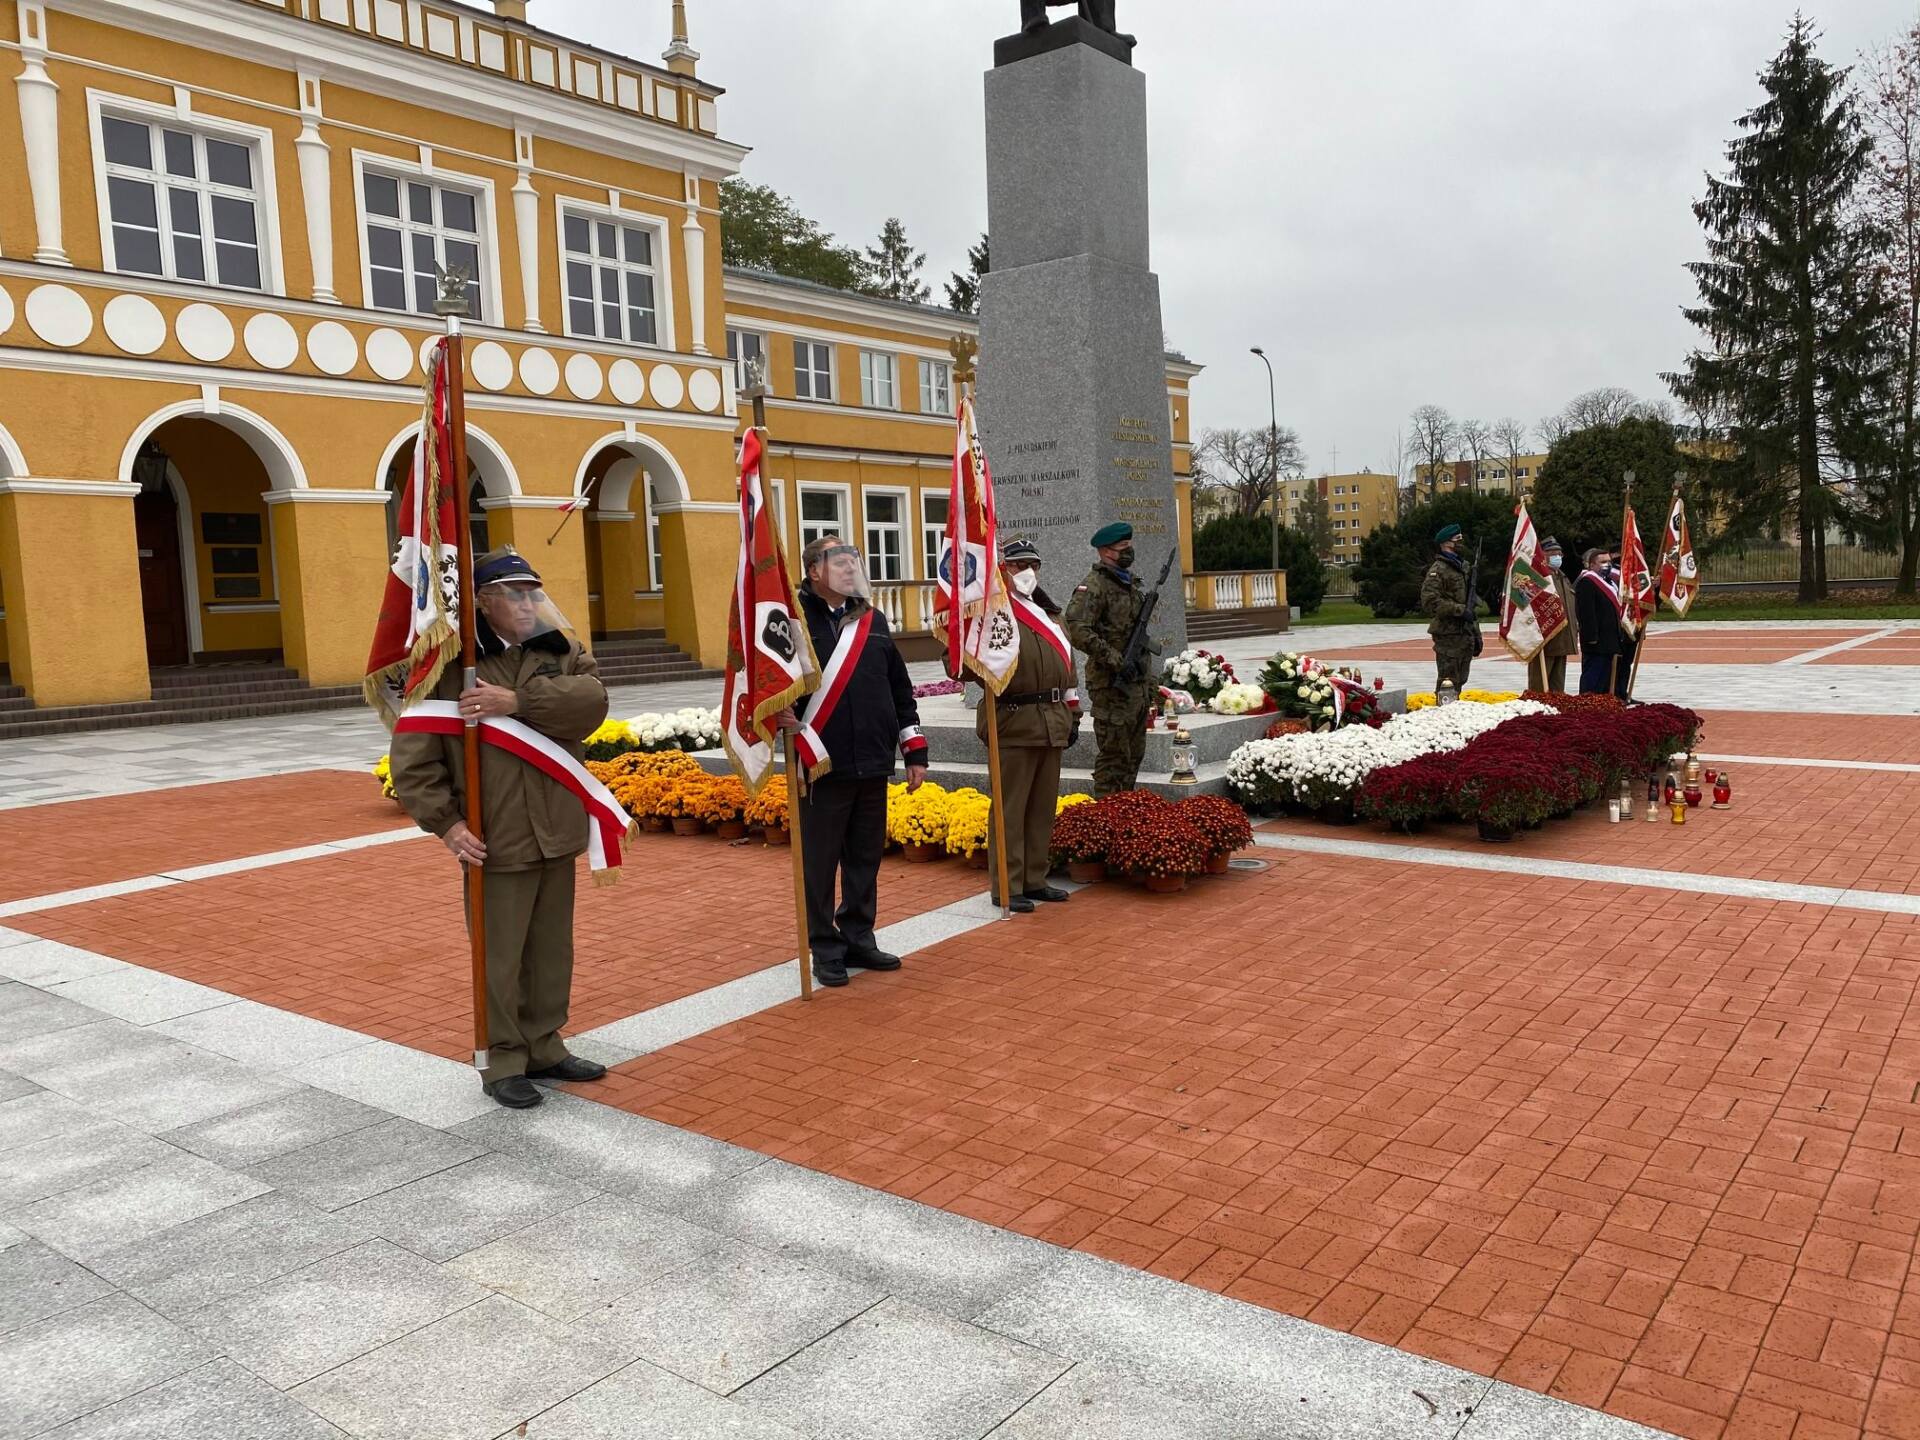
x: 72, y: 586
x: 327, y: 608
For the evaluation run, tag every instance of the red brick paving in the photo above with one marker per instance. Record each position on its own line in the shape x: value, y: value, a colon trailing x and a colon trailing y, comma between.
x: 1658, y: 1154
x: 1881, y: 739
x: 374, y: 939
x: 122, y: 837
x: 1722, y: 645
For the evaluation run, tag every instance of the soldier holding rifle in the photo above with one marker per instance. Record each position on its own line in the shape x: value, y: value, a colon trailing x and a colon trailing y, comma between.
x: 1107, y: 618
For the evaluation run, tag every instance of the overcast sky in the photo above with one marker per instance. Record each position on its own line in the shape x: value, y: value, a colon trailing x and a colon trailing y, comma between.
x: 1481, y: 204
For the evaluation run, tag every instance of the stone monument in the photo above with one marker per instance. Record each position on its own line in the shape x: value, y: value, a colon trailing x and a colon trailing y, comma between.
x: 1074, y: 410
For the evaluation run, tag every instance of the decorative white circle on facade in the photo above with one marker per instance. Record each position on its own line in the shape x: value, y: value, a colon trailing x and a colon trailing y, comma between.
x: 703, y: 388
x: 628, y: 384
x: 490, y: 365
x: 583, y: 377
x: 539, y: 371
x: 667, y: 386
x: 134, y: 324
x: 271, y: 341
x: 59, y: 315
x: 390, y: 354
x: 331, y: 346
x: 426, y: 352
x: 204, y: 332
x: 6, y: 311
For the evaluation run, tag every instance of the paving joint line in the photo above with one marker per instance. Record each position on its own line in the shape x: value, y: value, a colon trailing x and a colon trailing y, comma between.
x: 1809, y: 656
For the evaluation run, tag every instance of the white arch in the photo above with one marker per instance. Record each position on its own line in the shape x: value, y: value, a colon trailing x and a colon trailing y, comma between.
x: 654, y: 458
x: 494, y: 469
x: 276, y: 452
x: 13, y: 464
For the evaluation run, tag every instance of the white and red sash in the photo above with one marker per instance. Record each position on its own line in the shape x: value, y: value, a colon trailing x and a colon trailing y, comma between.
x: 1050, y: 634
x: 607, y: 821
x: 1607, y: 588
x: 847, y: 651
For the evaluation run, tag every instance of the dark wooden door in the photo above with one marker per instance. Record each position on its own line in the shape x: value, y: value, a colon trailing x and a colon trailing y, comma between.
x: 163, y: 597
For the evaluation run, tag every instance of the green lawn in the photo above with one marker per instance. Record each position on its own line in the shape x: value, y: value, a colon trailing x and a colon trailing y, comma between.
x: 1351, y: 612
x: 1348, y: 612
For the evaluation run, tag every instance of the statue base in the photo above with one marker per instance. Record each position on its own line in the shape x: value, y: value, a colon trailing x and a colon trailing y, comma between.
x: 1061, y: 33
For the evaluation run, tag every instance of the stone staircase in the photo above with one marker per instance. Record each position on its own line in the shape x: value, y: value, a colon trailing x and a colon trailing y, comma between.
x: 190, y: 694
x: 1207, y: 627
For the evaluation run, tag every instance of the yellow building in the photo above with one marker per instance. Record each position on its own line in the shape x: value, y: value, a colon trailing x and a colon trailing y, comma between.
x: 215, y: 293
x: 1489, y: 477
x: 1357, y: 505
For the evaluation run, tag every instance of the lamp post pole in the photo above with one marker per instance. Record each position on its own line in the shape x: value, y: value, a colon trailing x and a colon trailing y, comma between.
x: 1273, y: 451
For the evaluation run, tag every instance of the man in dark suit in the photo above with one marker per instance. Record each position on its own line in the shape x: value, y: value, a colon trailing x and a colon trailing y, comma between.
x: 1596, y: 605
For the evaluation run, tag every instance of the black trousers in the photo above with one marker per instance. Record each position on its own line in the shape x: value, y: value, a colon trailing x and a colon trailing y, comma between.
x: 843, y: 827
x: 1597, y: 674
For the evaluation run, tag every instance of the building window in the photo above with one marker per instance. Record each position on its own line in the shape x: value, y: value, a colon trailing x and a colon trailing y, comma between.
x: 936, y: 387
x: 812, y: 370
x: 821, y: 513
x: 610, y: 279
x: 886, y: 537
x: 742, y: 346
x: 182, y: 203
x: 879, y: 381
x: 933, y: 529
x: 412, y: 226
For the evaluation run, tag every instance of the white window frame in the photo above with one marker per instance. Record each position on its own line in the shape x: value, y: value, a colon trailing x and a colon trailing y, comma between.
x: 929, y: 393
x: 904, y: 498
x: 872, y: 363
x: 929, y: 546
x: 650, y: 521
x: 844, y: 497
x: 739, y: 362
x: 662, y: 269
x: 833, y: 379
x: 492, y: 312
x: 182, y: 116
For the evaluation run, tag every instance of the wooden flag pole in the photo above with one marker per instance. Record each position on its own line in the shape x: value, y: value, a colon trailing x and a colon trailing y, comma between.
x: 451, y: 304
x: 1645, y: 633
x: 796, y: 775
x: 1626, y: 509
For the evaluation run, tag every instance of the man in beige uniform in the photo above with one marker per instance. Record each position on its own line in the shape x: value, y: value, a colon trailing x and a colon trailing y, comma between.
x: 1039, y: 718
x: 528, y: 667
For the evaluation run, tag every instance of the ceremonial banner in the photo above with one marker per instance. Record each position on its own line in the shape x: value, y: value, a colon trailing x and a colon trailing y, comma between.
x: 1679, y: 572
x: 1530, y: 610
x: 770, y: 659
x: 1638, y: 598
x: 418, y: 632
x: 973, y: 613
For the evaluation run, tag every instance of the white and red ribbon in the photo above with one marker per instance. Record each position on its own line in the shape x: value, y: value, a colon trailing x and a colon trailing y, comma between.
x: 607, y: 821
x: 833, y: 684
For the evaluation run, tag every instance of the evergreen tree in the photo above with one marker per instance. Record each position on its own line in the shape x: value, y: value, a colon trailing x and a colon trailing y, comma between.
x: 1578, y: 498
x: 1794, y: 328
x: 895, y: 265
x: 963, y: 291
x: 760, y: 229
x: 1313, y: 520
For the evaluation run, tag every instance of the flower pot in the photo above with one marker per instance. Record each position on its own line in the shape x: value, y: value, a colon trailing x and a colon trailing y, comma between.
x: 731, y: 829
x: 1338, y: 812
x: 977, y: 860
x: 1220, y: 863
x: 1086, y: 872
x: 1166, y: 884
x: 1409, y: 827
x: 686, y: 825
x: 920, y: 854
x: 655, y: 824
x: 1495, y: 834
x: 777, y: 835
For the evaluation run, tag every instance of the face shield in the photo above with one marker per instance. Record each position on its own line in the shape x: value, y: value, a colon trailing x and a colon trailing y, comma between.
x: 519, y: 613
x: 841, y: 574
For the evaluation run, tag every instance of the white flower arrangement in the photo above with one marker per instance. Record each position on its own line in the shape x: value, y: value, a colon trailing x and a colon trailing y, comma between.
x: 1200, y: 671
x: 1238, y: 699
x: 1328, y: 767
x: 694, y: 727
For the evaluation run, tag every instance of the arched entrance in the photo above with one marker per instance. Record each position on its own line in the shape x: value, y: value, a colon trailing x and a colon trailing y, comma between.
x: 163, y: 591
x: 631, y: 482
x: 490, y: 476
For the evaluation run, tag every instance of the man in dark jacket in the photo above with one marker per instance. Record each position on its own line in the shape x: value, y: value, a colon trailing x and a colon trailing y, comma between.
x: 1548, y: 669
x: 863, y: 713
x: 1596, y: 607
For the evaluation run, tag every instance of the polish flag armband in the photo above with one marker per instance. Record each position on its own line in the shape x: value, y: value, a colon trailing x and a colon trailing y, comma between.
x: 913, y: 745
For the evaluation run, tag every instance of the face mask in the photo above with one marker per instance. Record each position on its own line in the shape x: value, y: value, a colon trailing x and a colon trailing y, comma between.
x: 1126, y: 558
x: 1026, y: 581
x: 1554, y: 561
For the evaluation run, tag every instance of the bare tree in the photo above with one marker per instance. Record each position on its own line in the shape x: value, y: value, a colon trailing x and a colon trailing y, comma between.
x: 1476, y: 444
x: 1432, y: 442
x: 1510, y: 443
x: 1241, y: 469
x: 1607, y: 405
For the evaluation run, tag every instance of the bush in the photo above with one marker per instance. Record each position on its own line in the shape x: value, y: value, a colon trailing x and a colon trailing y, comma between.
x: 1577, y: 499
x: 1245, y: 542
x: 1394, y: 559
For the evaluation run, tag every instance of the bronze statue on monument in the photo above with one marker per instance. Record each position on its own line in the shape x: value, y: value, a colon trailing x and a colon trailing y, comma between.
x: 1098, y: 13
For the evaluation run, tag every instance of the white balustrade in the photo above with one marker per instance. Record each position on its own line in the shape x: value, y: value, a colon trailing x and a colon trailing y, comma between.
x: 1227, y: 592
x: 1263, y: 590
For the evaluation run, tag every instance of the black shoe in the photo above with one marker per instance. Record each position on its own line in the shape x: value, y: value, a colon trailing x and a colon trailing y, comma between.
x: 574, y: 1067
x: 872, y: 960
x: 516, y: 1092
x: 833, y: 978
x: 1049, y: 893
x: 1021, y: 905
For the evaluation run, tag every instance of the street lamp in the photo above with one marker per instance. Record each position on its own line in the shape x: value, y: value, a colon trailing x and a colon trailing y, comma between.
x: 1273, y: 451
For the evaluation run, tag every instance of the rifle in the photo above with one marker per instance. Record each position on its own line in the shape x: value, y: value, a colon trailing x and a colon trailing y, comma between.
x: 1472, y: 618
x: 1130, y: 660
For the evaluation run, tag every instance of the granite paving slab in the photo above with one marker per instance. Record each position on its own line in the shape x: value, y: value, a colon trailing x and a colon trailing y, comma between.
x: 27, y: 1010
x: 423, y: 1088
x: 36, y: 1282
x: 91, y: 1219
x: 480, y: 1371
x: 74, y: 1158
x: 732, y: 1314
x: 304, y: 1324
x: 335, y: 1173
x: 899, y: 1372
x: 1094, y: 1401
x: 218, y: 1401
x: 48, y: 962
x: 288, y: 1122
x: 455, y: 1210
x: 81, y: 1359
x: 141, y: 996
x: 13, y: 1086
x: 643, y: 1402
x: 261, y: 1035
x: 37, y: 1115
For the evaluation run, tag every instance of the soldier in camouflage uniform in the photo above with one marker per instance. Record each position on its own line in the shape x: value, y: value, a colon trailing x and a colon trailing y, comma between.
x: 1453, y: 615
x: 1099, y: 619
